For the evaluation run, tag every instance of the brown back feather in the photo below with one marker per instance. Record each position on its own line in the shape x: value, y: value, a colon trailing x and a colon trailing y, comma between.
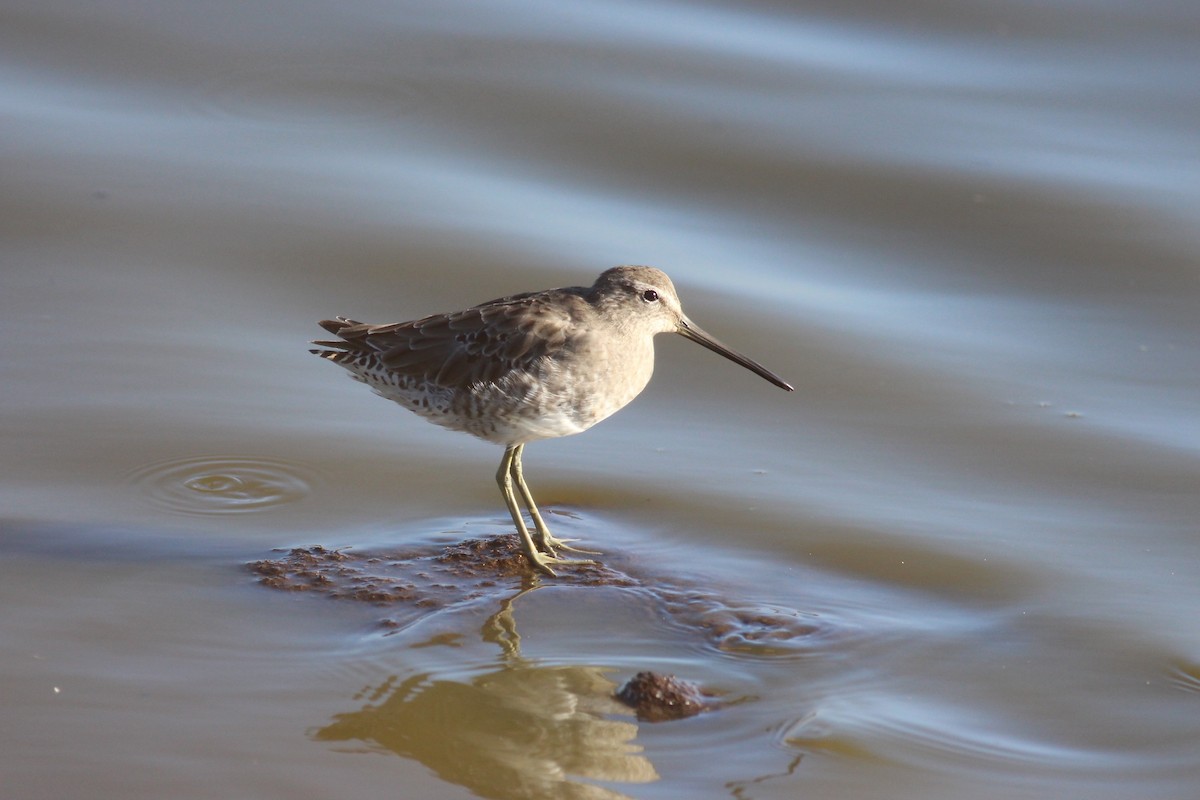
x: 479, y: 344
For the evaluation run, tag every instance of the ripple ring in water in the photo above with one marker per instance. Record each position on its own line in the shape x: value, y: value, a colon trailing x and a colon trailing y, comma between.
x: 220, y: 484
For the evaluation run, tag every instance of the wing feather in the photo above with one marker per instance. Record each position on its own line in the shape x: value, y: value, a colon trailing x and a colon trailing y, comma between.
x: 477, y: 345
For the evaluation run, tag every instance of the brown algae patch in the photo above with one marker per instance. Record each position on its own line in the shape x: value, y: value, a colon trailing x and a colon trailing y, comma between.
x: 415, y: 579
x: 463, y: 571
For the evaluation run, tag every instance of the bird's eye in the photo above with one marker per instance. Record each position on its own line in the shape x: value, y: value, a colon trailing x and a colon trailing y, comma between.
x: 650, y: 296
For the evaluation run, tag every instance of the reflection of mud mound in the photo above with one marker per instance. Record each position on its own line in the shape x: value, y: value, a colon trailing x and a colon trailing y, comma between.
x: 658, y: 698
x: 410, y: 581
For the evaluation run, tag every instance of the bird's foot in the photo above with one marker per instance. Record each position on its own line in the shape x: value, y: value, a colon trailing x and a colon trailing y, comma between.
x: 544, y: 563
x: 541, y: 564
x: 549, y: 544
x: 561, y: 544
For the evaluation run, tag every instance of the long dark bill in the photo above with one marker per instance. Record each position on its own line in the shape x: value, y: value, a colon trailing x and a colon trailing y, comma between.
x: 690, y: 330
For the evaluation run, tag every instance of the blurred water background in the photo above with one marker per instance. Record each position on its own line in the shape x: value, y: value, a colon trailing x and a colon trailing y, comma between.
x: 966, y: 231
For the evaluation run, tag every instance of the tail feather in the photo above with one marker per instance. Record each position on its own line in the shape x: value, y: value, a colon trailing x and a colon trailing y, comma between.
x: 338, y: 324
x: 336, y: 356
x: 350, y: 352
x: 340, y: 349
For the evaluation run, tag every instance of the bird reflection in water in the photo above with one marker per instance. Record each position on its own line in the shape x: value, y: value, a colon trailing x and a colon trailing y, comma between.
x: 521, y: 730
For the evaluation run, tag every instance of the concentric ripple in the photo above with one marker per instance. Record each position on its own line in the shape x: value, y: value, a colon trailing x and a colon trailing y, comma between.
x: 221, y: 485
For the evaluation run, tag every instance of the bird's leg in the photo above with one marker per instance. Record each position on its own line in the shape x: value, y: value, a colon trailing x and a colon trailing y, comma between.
x: 546, y: 541
x: 504, y: 479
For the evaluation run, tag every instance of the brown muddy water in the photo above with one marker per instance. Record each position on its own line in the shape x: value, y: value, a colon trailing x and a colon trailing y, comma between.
x: 962, y: 560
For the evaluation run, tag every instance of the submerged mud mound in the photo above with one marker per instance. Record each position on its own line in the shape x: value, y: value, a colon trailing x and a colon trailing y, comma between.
x: 413, y: 582
x: 408, y: 581
x: 462, y: 571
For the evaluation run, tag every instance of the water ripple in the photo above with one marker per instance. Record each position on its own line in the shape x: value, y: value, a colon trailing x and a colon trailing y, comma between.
x: 307, y: 94
x: 221, y: 484
x: 1186, y: 676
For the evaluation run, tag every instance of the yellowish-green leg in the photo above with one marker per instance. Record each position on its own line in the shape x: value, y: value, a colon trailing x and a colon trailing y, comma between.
x: 504, y: 479
x: 545, y: 540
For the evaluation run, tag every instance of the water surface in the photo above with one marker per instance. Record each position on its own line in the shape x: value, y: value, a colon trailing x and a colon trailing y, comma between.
x: 966, y: 232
